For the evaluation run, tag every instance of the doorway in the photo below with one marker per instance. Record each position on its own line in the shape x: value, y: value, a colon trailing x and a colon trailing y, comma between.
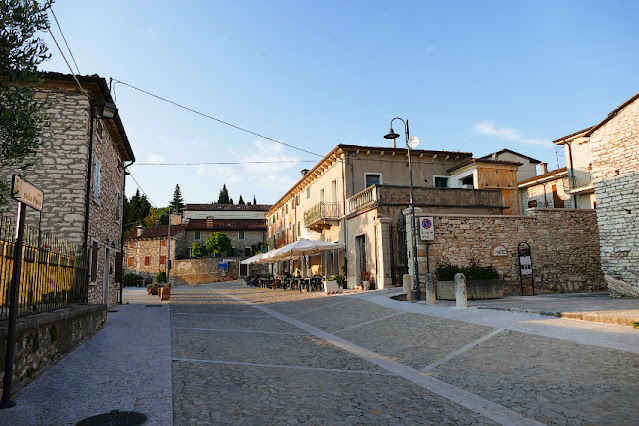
x: 105, y: 296
x: 360, y: 247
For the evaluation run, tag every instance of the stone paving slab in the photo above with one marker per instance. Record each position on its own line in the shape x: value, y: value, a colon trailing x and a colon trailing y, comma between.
x: 220, y: 394
x: 415, y: 340
x: 254, y: 322
x: 293, y: 350
x: 553, y: 381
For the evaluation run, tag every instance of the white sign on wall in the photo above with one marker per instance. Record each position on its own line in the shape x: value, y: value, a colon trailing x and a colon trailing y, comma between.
x: 426, y: 228
x: 525, y: 264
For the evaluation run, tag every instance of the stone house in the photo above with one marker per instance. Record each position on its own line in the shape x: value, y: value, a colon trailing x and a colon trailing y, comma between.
x: 147, y: 251
x: 224, y: 211
x: 578, y: 150
x: 246, y: 235
x: 80, y: 166
x: 355, y: 196
x: 526, y: 170
x: 614, y: 145
x: 548, y: 190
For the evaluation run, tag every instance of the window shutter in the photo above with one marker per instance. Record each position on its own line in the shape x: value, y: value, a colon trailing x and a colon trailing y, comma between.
x: 97, y: 177
x: 118, y: 267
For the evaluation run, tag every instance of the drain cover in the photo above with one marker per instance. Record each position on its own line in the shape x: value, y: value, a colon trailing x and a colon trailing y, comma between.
x: 115, y: 418
x: 152, y: 306
x: 112, y: 310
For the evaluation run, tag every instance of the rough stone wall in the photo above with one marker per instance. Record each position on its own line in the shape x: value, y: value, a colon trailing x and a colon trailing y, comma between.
x: 250, y: 238
x: 615, y: 169
x: 202, y: 271
x: 542, y: 193
x: 138, y: 249
x: 45, y: 338
x: 564, y: 244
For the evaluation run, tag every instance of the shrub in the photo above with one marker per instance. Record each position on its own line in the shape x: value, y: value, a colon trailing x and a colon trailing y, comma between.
x: 446, y: 271
x: 198, y: 250
x: 160, y: 277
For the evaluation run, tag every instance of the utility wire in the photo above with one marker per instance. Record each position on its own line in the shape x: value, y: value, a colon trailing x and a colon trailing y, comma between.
x: 68, y: 65
x: 223, y: 163
x: 140, y: 188
x: 65, y: 40
x: 216, y: 119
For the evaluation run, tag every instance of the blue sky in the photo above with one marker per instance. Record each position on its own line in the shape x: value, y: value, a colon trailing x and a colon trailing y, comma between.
x: 473, y: 76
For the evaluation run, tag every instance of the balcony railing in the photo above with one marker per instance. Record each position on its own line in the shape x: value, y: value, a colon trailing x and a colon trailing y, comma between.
x: 321, y: 215
x: 364, y: 198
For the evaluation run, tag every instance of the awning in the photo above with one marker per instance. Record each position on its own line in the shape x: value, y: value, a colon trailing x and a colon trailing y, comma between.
x: 304, y: 247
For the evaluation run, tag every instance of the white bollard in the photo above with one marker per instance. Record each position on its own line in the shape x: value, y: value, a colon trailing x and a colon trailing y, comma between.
x: 408, y: 286
x: 460, y: 291
x: 431, y: 289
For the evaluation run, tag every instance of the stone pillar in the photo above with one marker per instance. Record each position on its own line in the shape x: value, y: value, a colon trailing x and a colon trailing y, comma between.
x: 383, y: 274
x: 421, y: 246
x: 407, y: 281
x: 431, y: 289
x: 460, y: 291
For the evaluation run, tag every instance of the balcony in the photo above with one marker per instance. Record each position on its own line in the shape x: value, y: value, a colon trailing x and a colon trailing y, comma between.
x: 367, y: 197
x: 321, y: 216
x: 581, y: 181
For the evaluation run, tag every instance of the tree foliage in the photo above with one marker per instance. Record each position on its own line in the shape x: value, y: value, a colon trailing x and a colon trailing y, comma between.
x: 22, y: 117
x: 254, y: 202
x: 224, y: 196
x: 219, y: 243
x: 135, y: 211
x: 198, y: 250
x: 241, y: 200
x: 177, y: 204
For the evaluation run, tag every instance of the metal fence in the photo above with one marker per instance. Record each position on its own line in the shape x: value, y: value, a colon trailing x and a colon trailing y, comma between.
x: 54, y: 271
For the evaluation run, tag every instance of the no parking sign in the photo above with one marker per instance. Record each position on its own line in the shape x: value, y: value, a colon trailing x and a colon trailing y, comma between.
x: 426, y: 228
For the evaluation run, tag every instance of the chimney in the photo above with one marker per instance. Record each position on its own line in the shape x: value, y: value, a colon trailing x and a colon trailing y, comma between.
x: 544, y: 168
x: 304, y: 172
x: 140, y: 229
x: 209, y: 221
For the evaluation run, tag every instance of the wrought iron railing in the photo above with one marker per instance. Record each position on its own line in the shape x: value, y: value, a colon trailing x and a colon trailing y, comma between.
x: 54, y: 272
x: 319, y: 211
x: 363, y: 198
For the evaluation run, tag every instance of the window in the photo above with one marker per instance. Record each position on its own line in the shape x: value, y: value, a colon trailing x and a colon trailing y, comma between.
x: 129, y: 261
x: 162, y: 260
x: 94, y: 262
x: 372, y: 179
x: 147, y: 260
x: 233, y: 252
x: 247, y: 251
x: 190, y: 251
x: 97, y: 178
x: 131, y: 244
x: 163, y: 243
x: 308, y: 192
x: 441, y: 181
x: 240, y: 235
x: 468, y: 180
x: 197, y: 235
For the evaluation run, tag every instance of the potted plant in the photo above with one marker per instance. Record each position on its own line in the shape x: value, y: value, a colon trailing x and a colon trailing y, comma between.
x: 482, y: 282
x: 366, y: 277
x: 331, y: 284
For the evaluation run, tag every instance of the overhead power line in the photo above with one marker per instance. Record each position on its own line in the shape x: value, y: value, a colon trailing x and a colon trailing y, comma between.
x: 73, y: 73
x: 215, y: 119
x: 223, y: 163
x: 140, y: 188
x: 65, y: 40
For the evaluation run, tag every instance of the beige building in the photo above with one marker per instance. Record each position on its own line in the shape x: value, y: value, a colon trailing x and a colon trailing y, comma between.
x: 80, y: 168
x: 526, y: 170
x: 578, y: 150
x: 224, y: 211
x: 355, y: 196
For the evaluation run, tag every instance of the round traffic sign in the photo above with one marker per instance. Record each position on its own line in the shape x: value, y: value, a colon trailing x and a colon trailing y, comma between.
x: 426, y: 223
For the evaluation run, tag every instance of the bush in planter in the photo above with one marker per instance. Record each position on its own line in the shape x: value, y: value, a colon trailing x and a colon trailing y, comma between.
x: 446, y: 271
x: 160, y: 277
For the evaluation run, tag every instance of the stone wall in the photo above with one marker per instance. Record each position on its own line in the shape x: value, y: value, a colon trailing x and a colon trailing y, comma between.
x: 137, y: 249
x: 564, y: 243
x: 45, y: 338
x: 542, y: 194
x: 202, y: 271
x: 615, y: 170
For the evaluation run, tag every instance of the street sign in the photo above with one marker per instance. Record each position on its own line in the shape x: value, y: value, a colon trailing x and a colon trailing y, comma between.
x: 26, y: 193
x: 426, y: 228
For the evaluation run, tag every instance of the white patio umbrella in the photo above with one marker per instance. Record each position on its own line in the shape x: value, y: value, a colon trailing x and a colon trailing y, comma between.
x: 304, y: 247
x: 252, y: 259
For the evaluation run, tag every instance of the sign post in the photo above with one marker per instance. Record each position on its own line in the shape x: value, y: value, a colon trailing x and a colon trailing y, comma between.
x: 26, y: 195
x: 525, y: 265
x: 427, y: 233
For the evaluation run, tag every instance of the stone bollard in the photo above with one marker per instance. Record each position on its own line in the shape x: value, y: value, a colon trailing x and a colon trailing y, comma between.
x: 431, y: 289
x: 460, y: 291
x: 408, y: 286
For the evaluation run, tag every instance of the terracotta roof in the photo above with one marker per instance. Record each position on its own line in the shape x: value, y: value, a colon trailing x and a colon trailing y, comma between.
x: 532, y: 160
x: 544, y: 177
x: 483, y: 161
x: 227, y: 207
x: 158, y: 231
x: 564, y: 139
x: 226, y: 224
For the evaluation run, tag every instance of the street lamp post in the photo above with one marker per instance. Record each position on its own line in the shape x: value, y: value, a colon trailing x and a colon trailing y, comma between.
x: 410, y: 143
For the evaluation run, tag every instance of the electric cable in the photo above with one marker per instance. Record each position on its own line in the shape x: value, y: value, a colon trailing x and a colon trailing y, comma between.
x: 65, y: 40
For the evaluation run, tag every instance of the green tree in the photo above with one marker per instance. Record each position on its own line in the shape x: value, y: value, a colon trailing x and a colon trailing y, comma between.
x: 198, y: 250
x: 135, y: 211
x: 241, y: 201
x: 218, y: 243
x: 254, y: 202
x: 177, y: 204
x: 22, y: 117
x: 224, y: 196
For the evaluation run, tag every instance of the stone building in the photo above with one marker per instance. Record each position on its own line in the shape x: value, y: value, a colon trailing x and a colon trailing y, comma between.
x: 548, y: 190
x: 580, y: 186
x: 147, y: 251
x: 224, y: 211
x: 526, y: 170
x: 614, y: 144
x: 80, y: 166
x: 247, y: 235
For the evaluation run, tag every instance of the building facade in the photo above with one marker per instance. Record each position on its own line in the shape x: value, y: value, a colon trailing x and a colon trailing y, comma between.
x: 80, y: 166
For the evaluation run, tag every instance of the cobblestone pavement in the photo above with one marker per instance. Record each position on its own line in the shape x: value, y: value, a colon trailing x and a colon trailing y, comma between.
x: 258, y: 356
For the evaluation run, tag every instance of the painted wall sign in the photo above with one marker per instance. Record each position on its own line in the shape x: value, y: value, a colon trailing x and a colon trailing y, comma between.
x: 426, y: 228
x: 499, y: 250
x: 26, y: 193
